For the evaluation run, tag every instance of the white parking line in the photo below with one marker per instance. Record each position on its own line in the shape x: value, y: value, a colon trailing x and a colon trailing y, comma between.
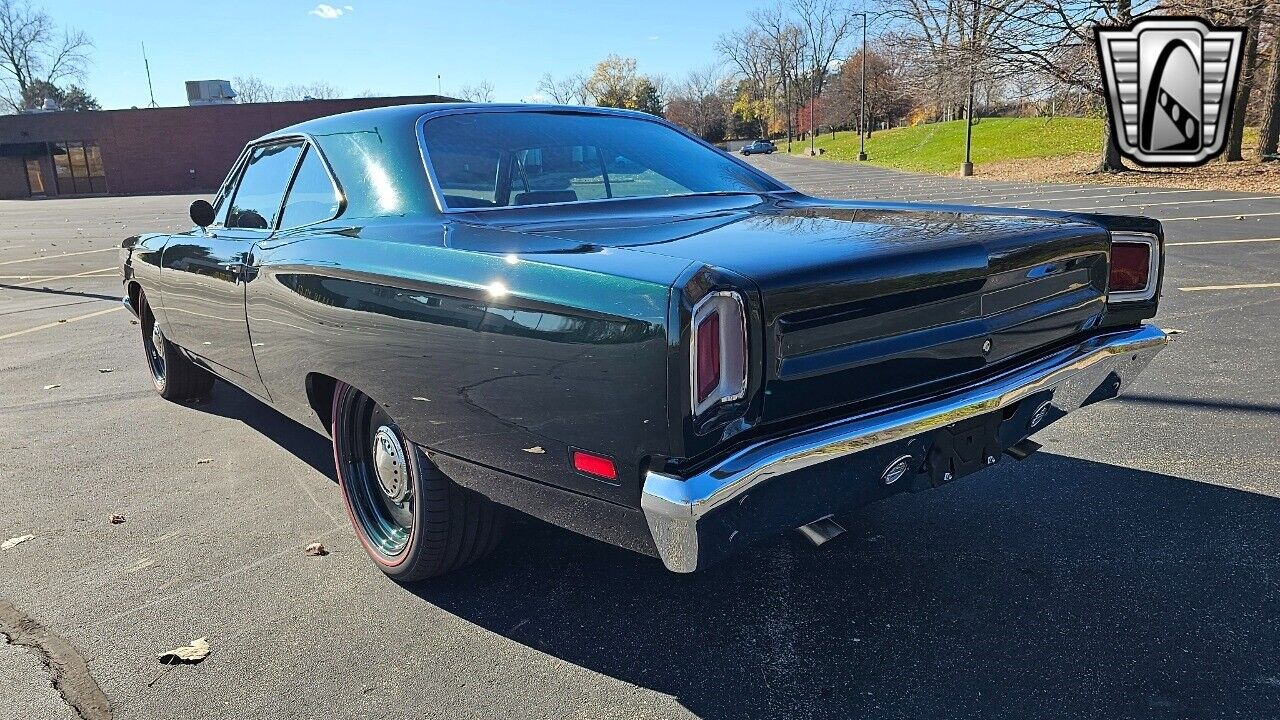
x: 61, y: 277
x: 46, y: 326
x: 1219, y: 217
x: 1222, y: 242
x: 1231, y: 287
x: 1179, y: 202
x: 54, y: 257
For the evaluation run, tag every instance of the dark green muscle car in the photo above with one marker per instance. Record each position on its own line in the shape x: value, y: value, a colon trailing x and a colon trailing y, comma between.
x: 594, y: 318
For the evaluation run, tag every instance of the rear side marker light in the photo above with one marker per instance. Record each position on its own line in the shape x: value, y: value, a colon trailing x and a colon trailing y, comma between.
x: 596, y: 465
x: 1135, y: 263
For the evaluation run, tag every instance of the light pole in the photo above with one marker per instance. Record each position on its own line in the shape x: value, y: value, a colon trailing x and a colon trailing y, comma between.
x: 862, y: 109
x: 966, y: 170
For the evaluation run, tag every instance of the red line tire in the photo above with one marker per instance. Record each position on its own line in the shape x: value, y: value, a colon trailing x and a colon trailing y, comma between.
x: 413, y: 521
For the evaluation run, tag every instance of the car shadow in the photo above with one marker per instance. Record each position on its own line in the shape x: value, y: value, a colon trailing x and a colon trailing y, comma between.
x: 1057, y: 587
x: 304, y: 443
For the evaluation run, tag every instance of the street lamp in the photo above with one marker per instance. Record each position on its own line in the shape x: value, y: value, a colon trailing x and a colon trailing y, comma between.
x: 862, y: 110
x: 862, y: 105
x: 966, y: 170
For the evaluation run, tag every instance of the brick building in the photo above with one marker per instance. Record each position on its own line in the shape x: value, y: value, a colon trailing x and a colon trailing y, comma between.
x: 155, y: 150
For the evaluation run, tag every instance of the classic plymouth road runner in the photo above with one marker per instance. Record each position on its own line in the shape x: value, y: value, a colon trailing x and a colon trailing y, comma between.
x: 592, y: 317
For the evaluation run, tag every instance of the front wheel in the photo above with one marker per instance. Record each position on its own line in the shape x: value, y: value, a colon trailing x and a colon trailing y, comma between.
x: 414, y: 522
x: 173, y: 375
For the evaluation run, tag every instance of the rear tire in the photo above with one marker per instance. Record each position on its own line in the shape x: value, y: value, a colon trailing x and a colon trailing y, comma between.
x: 173, y: 375
x: 413, y: 521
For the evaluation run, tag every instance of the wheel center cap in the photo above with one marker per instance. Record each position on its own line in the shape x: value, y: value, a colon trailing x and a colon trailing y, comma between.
x: 389, y: 462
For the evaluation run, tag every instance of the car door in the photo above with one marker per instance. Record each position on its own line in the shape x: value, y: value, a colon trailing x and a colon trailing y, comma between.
x: 204, y: 274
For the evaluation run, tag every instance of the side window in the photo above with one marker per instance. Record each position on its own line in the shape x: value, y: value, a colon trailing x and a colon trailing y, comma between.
x: 312, y: 197
x: 262, y: 185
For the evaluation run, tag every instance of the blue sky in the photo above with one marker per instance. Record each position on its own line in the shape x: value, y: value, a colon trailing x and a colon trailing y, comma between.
x: 385, y: 46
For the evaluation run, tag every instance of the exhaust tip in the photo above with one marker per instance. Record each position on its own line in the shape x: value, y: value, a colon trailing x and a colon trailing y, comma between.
x: 1022, y: 450
x: 821, y: 531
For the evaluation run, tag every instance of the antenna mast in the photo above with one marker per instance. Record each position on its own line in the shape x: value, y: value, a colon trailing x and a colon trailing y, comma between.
x: 147, y: 65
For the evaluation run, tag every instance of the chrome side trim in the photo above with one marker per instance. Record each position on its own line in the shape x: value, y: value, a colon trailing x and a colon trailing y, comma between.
x: 674, y: 506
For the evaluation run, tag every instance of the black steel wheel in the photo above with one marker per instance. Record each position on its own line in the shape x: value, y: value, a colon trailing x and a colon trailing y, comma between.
x: 413, y: 521
x: 173, y: 375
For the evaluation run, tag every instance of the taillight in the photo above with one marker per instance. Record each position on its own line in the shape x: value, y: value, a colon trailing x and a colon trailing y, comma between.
x: 1135, y: 261
x: 708, y: 361
x: 718, y: 356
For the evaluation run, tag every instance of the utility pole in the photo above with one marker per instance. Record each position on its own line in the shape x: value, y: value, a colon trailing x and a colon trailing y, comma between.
x: 438, y: 86
x: 862, y: 109
x: 966, y: 169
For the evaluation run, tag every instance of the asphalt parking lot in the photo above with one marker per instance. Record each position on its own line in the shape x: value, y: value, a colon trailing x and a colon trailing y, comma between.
x: 1129, y: 570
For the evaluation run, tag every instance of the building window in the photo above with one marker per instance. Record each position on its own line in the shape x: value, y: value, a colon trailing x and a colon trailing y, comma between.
x: 77, y: 167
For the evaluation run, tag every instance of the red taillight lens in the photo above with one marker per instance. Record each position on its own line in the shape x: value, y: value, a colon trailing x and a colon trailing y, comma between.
x: 1130, y: 267
x: 708, y: 367
x: 597, y: 465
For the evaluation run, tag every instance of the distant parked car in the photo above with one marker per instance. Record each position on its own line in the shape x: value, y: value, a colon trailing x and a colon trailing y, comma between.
x: 758, y: 147
x: 593, y: 317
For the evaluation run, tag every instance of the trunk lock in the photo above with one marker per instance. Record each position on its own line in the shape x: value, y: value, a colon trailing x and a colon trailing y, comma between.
x: 986, y: 346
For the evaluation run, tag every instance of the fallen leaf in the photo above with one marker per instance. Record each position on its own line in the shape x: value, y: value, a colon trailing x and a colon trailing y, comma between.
x: 117, y: 519
x: 316, y: 550
x: 106, y: 370
x: 193, y: 653
x: 12, y: 542
x: 535, y: 450
x: 50, y: 387
x: 62, y: 321
x: 204, y: 461
x: 1173, y: 331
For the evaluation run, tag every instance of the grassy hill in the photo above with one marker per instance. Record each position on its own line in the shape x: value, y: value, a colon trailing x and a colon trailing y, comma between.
x: 939, y: 147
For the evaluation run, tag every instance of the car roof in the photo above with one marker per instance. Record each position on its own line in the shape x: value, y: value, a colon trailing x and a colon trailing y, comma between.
x: 398, y: 115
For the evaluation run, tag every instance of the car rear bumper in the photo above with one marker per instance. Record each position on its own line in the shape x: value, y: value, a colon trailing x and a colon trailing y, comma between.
x: 778, y: 484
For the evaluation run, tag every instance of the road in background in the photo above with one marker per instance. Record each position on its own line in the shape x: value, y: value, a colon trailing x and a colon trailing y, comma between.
x: 1128, y: 570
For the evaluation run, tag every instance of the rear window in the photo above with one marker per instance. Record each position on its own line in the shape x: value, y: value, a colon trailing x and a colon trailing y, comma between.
x: 508, y: 159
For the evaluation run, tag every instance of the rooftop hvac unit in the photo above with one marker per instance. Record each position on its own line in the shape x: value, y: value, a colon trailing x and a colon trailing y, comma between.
x: 210, y: 92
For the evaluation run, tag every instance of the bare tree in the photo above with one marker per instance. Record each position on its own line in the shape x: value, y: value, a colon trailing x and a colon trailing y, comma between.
x: 1269, y: 132
x: 481, y: 92
x: 32, y: 50
x: 700, y: 103
x: 827, y: 25
x: 318, y: 90
x: 785, y: 44
x: 572, y: 90
x: 251, y: 89
x: 1235, y: 136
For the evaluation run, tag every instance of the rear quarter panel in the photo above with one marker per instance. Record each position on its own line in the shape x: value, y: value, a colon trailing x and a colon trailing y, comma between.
x: 502, y: 359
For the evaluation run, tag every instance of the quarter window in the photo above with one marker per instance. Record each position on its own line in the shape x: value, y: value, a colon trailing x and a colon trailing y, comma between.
x: 262, y: 184
x: 312, y: 197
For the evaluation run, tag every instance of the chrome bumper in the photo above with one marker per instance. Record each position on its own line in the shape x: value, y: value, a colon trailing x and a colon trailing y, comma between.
x: 695, y: 520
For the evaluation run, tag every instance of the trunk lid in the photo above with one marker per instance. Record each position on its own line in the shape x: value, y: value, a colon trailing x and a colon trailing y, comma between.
x: 867, y: 302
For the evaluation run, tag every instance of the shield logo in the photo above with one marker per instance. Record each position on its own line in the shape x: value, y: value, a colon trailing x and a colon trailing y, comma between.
x: 1170, y: 86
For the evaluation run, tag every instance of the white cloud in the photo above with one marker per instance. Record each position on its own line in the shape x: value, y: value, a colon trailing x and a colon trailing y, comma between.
x: 328, y: 12
x: 654, y: 37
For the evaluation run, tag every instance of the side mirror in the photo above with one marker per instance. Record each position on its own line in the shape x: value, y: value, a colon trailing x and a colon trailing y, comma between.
x: 202, y: 213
